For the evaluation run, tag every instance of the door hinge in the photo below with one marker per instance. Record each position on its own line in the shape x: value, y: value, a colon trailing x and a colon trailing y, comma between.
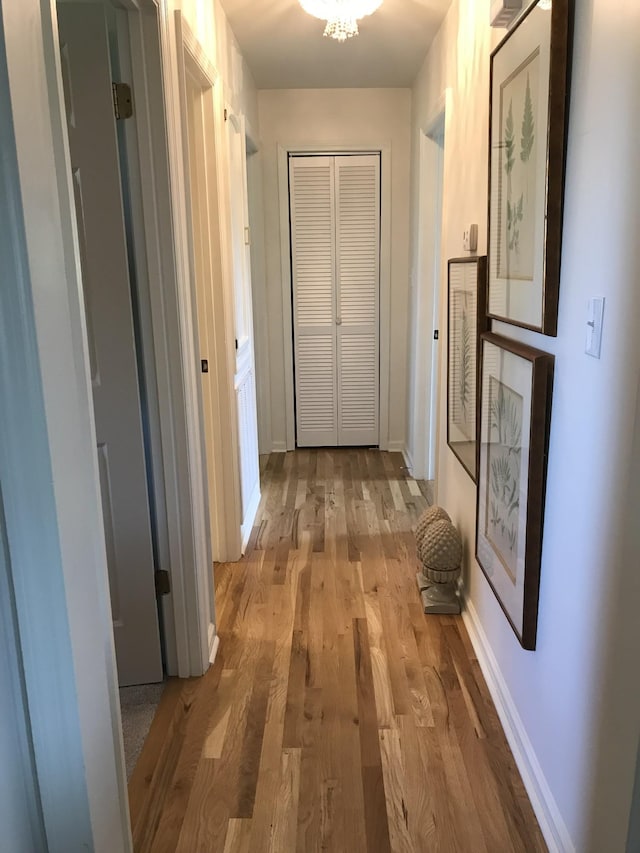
x: 247, y: 236
x: 122, y: 100
x: 163, y: 584
x: 436, y: 334
x: 236, y: 343
x: 204, y: 365
x: 226, y: 114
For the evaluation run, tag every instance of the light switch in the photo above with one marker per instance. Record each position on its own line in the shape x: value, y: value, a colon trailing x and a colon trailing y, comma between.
x: 595, y: 312
x: 470, y: 238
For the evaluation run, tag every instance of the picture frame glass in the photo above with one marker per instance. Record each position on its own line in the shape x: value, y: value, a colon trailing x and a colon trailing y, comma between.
x: 518, y: 168
x: 506, y: 409
x: 467, y: 320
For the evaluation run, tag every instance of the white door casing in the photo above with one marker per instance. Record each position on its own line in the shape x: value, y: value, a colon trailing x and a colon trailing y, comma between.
x: 103, y: 252
x: 204, y: 282
x: 335, y: 241
x: 202, y: 141
x: 426, y: 305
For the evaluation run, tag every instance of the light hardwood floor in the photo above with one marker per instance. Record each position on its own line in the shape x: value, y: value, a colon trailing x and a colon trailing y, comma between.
x: 337, y: 716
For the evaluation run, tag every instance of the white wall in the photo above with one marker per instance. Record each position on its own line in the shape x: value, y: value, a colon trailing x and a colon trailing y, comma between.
x: 577, y: 710
x: 334, y: 118
x: 209, y: 24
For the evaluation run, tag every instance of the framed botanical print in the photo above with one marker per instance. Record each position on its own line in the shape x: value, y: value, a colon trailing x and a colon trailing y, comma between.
x: 467, y: 280
x: 527, y: 144
x: 515, y: 407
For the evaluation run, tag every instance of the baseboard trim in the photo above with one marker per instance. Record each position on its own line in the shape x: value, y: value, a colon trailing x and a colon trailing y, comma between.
x: 279, y: 447
x: 214, y: 643
x: 395, y: 447
x: 408, y: 459
x: 247, y: 526
x: 552, y: 825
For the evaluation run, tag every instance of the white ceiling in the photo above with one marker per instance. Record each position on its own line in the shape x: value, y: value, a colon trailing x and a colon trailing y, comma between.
x: 285, y: 48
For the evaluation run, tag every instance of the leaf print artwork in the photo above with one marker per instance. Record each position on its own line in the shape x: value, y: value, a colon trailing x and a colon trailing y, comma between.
x: 504, y: 451
x: 528, y: 126
x: 464, y: 382
x: 517, y: 184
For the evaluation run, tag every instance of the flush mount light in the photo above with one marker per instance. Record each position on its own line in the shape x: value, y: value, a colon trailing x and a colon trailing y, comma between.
x: 504, y: 12
x: 342, y: 16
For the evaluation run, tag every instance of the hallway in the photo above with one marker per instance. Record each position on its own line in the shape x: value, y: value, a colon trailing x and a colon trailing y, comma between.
x: 337, y: 716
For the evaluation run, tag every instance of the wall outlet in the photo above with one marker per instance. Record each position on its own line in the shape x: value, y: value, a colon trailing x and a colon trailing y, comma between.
x: 470, y: 239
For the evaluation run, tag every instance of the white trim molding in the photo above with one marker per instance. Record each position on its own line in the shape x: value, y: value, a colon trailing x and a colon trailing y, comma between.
x: 252, y: 511
x: 408, y: 460
x: 48, y: 463
x: 544, y: 805
x: 214, y: 643
x: 385, y: 278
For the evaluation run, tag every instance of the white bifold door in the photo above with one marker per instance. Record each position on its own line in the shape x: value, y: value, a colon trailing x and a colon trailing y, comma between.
x: 335, y: 247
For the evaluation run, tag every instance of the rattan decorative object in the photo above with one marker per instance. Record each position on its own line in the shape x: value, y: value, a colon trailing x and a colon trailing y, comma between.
x: 441, y: 557
x: 441, y: 550
x: 431, y: 514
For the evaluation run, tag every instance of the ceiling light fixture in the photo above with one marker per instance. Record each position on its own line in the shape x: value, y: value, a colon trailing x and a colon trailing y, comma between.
x: 342, y: 16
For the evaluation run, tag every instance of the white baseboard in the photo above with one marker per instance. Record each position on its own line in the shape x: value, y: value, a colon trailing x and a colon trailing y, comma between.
x: 247, y: 524
x: 408, y: 459
x: 214, y: 643
x: 544, y: 805
x: 279, y: 447
x: 395, y: 447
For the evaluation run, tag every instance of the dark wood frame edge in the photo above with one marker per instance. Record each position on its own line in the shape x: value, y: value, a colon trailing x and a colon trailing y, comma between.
x: 560, y: 51
x: 482, y: 325
x: 542, y: 369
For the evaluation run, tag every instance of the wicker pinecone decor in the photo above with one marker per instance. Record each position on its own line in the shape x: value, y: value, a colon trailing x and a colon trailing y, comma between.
x: 440, y: 552
x: 431, y: 514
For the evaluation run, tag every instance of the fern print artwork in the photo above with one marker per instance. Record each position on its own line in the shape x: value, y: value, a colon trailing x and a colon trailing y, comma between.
x: 517, y: 178
x: 504, y: 452
x: 464, y: 362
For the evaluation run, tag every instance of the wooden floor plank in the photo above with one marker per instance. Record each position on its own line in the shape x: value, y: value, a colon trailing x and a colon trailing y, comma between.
x: 338, y: 717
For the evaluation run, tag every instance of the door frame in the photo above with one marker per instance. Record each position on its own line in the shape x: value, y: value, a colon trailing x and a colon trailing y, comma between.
x: 244, y: 368
x: 385, y: 277
x: 48, y: 463
x: 47, y: 452
x: 423, y: 457
x: 177, y: 448
x: 193, y: 62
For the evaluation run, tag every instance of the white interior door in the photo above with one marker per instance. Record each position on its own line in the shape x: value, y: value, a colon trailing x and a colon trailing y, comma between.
x: 357, y: 282
x: 335, y: 242
x: 313, y: 252
x: 245, y: 378
x: 103, y: 251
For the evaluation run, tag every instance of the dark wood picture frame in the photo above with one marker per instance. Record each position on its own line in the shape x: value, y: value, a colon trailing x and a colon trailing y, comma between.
x: 462, y: 438
x: 516, y: 380
x: 536, y: 282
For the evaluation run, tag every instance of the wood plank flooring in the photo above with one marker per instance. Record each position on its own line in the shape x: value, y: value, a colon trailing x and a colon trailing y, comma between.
x: 337, y: 717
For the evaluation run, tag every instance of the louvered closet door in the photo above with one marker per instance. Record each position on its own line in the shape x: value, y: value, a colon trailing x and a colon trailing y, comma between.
x: 312, y: 202
x: 335, y: 225
x: 357, y: 181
